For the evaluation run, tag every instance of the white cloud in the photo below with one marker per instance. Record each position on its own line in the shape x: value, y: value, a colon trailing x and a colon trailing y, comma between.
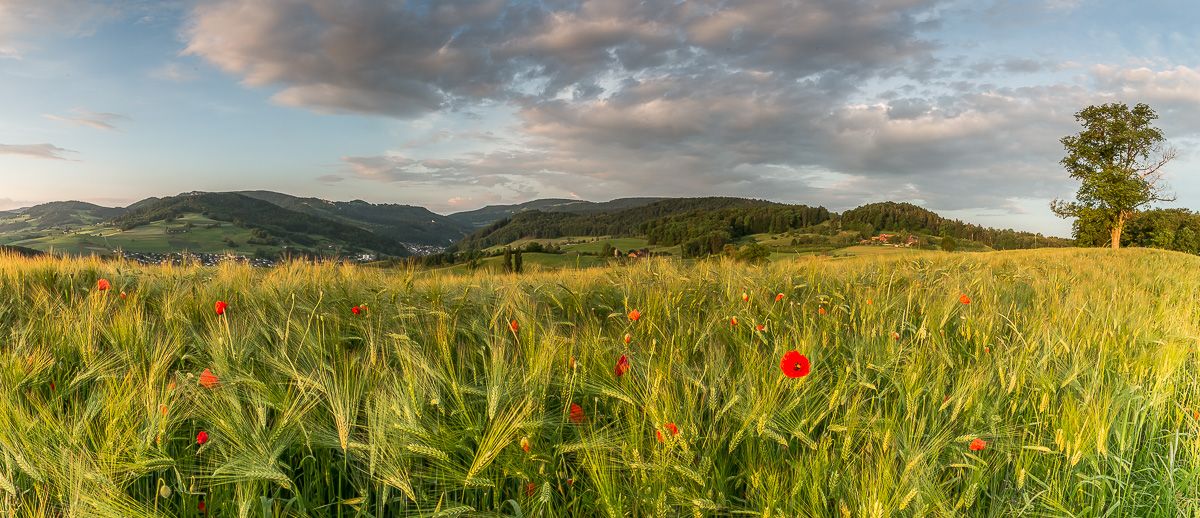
x: 35, y: 150
x: 102, y: 121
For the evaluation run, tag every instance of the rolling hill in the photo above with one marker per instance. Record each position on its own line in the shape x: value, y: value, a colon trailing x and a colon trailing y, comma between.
x: 403, y: 223
x: 58, y: 214
x: 271, y: 221
x: 480, y: 218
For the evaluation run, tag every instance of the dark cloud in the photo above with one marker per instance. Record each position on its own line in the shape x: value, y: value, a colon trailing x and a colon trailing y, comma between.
x: 35, y: 150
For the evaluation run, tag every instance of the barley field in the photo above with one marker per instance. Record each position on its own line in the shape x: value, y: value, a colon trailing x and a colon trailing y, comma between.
x: 1035, y: 383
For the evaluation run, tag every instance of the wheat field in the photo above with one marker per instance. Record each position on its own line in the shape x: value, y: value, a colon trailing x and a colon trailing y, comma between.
x: 1035, y: 383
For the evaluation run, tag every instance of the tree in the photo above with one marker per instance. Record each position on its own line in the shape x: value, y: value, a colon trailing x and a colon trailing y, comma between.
x: 518, y: 263
x: 1119, y: 157
x: 948, y: 244
x: 508, y: 262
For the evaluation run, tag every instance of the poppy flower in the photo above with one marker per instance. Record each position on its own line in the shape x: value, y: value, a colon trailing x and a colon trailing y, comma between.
x: 634, y: 315
x: 122, y: 295
x: 355, y: 310
x: 895, y: 335
x: 51, y: 385
x: 978, y: 444
x: 820, y: 311
x: 221, y: 305
x: 794, y: 364
x: 525, y: 443
x: 512, y: 326
x: 868, y: 302
x: 745, y: 297
x: 208, y: 379
x: 733, y: 321
x: 529, y: 488
x: 1196, y: 415
x: 628, y: 337
x: 572, y: 362
x: 577, y: 414
x: 622, y: 366
x: 779, y: 297
x: 669, y: 426
x: 102, y: 285
x: 200, y: 506
x: 202, y: 438
x: 964, y: 299
x: 760, y: 327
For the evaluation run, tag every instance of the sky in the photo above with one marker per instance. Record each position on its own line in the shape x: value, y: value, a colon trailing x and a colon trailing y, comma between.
x: 957, y: 106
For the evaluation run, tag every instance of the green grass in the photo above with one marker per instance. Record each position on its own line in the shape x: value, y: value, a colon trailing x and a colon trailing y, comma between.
x: 99, y: 239
x: 1077, y: 367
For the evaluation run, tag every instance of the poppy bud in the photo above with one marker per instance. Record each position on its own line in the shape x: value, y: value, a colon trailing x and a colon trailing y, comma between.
x: 525, y: 443
x: 779, y: 297
x: 628, y: 337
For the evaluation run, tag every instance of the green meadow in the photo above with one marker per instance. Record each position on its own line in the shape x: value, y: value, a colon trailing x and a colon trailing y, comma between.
x: 1055, y: 382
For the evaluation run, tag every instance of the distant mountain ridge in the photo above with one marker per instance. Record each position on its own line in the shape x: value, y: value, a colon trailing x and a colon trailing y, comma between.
x: 485, y: 216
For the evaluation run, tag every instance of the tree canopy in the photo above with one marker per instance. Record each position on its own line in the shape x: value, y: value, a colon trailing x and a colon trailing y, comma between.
x: 1118, y: 157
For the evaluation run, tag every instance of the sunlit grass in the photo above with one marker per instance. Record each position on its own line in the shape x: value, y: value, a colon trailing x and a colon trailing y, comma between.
x: 1077, y: 368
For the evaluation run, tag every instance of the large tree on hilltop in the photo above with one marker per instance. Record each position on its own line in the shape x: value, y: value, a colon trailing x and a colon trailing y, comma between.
x: 1119, y: 157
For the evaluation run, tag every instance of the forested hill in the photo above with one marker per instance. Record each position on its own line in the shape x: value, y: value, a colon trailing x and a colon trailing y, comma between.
x: 631, y: 221
x: 485, y: 216
x: 897, y: 217
x: 406, y: 223
x: 57, y: 214
x: 289, y: 225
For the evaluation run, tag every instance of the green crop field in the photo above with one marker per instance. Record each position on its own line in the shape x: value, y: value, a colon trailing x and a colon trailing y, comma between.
x: 1055, y: 382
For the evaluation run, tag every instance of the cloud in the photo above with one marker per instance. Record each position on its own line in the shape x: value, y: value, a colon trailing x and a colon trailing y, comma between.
x: 24, y: 20
x: 9, y: 203
x: 102, y: 121
x: 174, y: 71
x: 35, y: 150
x: 330, y: 178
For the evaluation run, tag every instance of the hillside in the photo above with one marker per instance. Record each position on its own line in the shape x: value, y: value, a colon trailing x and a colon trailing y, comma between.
x: 906, y: 217
x: 402, y: 223
x: 480, y: 218
x: 629, y: 221
x: 269, y: 220
x: 58, y: 214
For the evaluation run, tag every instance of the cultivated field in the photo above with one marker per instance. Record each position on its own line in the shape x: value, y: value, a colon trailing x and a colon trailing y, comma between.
x: 1036, y: 383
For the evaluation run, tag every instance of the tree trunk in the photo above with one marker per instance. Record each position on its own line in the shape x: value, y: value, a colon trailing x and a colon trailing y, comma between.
x: 1118, y: 225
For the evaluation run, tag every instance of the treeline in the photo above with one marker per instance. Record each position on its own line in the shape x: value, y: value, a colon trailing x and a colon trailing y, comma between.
x: 707, y: 232
x: 267, y: 219
x: 906, y: 217
x: 627, y: 222
x: 1168, y: 229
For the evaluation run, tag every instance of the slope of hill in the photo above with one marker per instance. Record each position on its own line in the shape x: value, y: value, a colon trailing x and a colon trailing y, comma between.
x: 630, y: 221
x: 270, y: 221
x: 892, y: 216
x: 404, y: 223
x: 58, y: 214
x: 480, y: 218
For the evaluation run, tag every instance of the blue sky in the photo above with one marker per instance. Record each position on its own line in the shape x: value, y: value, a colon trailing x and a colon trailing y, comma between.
x: 954, y: 105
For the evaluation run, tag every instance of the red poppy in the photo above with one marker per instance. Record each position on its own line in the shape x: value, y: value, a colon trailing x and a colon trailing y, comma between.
x: 895, y: 335
x: 868, y: 301
x: 102, y: 285
x: 201, y: 437
x: 525, y: 443
x: 978, y: 444
x: 512, y: 326
x: 820, y: 311
x: 122, y: 295
x: 628, y: 337
x: 529, y: 488
x: 1196, y: 415
x: 733, y: 321
x: 577, y: 414
x: 200, y: 506
x: 794, y: 364
x: 745, y: 297
x: 221, y: 305
x: 51, y: 385
x: 622, y: 366
x: 964, y: 299
x: 671, y: 427
x: 355, y: 310
x: 634, y: 315
x: 208, y: 379
x: 760, y: 327
x: 779, y: 297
